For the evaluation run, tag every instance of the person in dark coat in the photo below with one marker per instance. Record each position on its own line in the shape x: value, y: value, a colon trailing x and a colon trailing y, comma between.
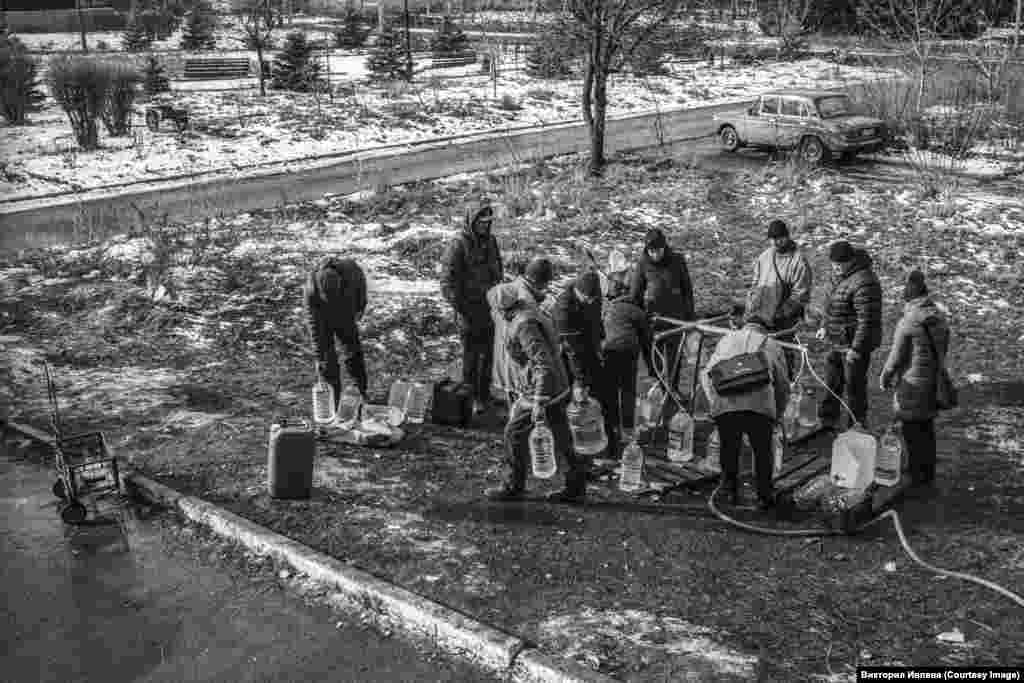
x: 627, y: 336
x: 537, y: 381
x: 471, y: 266
x: 661, y: 286
x: 919, y: 347
x: 335, y: 298
x: 577, y: 316
x: 853, y: 327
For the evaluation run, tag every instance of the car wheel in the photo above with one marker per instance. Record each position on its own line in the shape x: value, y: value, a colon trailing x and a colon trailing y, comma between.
x: 729, y: 138
x: 812, y: 150
x: 73, y: 513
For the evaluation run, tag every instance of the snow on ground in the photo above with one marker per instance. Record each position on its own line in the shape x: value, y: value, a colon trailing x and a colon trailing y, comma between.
x: 234, y: 129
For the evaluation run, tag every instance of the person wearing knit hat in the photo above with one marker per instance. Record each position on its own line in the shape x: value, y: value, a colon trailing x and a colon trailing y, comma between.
x: 471, y: 265
x: 918, y: 355
x: 529, y: 367
x: 783, y: 274
x: 661, y: 285
x: 853, y: 328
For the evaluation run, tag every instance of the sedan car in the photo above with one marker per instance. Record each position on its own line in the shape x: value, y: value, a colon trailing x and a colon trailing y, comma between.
x: 818, y: 124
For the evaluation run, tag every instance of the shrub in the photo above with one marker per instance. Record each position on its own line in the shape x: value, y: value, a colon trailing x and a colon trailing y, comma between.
x: 80, y: 86
x: 449, y: 41
x: 199, y: 27
x: 648, y: 57
x: 154, y: 80
x: 295, y: 69
x: 353, y: 31
x: 117, y: 109
x: 509, y: 103
x: 554, y: 53
x: 19, y: 81
x: 387, y: 58
x: 136, y: 37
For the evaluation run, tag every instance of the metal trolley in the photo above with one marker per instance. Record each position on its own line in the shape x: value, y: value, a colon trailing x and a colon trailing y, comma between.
x: 84, y: 465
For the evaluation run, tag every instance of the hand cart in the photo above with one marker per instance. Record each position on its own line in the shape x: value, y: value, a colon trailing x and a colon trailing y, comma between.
x: 84, y: 465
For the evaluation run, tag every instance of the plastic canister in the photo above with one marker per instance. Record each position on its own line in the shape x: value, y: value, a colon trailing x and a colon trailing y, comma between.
x: 853, y: 459
x: 290, y: 460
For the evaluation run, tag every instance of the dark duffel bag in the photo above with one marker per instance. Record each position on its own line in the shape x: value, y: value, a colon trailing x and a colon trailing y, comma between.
x: 453, y: 403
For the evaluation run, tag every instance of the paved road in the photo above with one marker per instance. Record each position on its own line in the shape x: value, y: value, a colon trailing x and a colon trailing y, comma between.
x: 138, y: 602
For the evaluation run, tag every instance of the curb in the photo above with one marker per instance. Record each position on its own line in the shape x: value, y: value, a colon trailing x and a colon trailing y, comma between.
x: 453, y: 631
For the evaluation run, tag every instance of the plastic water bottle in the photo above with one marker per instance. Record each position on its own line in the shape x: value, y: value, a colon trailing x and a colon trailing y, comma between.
x: 680, y: 437
x: 586, y: 424
x: 778, y: 449
x: 853, y: 459
x: 542, y: 450
x: 397, y: 396
x: 631, y: 478
x: 889, y: 465
x: 791, y: 416
x: 349, y: 406
x: 807, y: 407
x: 649, y: 408
x: 417, y: 403
x: 323, y: 402
x: 712, y: 453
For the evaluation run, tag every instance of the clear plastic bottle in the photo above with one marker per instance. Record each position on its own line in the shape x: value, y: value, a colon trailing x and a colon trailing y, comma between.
x: 791, y: 416
x: 649, y: 408
x: 680, y: 437
x: 889, y: 465
x: 807, y: 407
x: 778, y: 449
x: 397, y: 397
x: 323, y: 402
x: 417, y: 405
x: 349, y: 406
x: 631, y: 478
x: 586, y: 424
x: 542, y: 450
x: 712, y: 453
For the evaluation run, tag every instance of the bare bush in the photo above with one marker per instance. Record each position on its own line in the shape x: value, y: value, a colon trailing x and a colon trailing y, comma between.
x: 80, y: 86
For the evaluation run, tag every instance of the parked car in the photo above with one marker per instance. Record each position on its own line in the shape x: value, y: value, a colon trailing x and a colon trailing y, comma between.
x: 819, y: 124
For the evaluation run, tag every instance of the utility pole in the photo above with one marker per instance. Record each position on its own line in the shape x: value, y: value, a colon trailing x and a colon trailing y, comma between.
x: 81, y: 24
x: 408, y: 43
x: 1016, y: 33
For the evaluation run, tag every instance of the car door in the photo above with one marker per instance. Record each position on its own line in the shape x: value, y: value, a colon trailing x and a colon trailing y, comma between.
x: 761, y: 130
x: 790, y: 122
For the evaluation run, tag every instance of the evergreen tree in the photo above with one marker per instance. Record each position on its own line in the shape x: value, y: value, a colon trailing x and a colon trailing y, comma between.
x: 154, y: 80
x: 387, y: 58
x: 353, y: 32
x: 449, y: 41
x: 136, y: 37
x: 295, y: 68
x: 199, y: 27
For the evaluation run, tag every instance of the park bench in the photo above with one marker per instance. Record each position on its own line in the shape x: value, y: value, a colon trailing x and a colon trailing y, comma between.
x: 447, y: 62
x: 217, y: 67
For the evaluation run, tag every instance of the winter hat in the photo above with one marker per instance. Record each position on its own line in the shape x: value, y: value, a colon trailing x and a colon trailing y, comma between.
x: 778, y: 228
x: 539, y: 272
x: 840, y: 252
x: 655, y: 239
x: 915, y: 286
x: 588, y: 284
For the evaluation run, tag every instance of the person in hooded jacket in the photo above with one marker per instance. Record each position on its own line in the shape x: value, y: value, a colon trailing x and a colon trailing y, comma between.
x: 853, y: 327
x: 919, y: 347
x: 537, y: 381
x: 783, y: 272
x: 335, y: 298
x: 661, y: 286
x: 472, y: 265
x: 627, y: 336
x: 577, y: 316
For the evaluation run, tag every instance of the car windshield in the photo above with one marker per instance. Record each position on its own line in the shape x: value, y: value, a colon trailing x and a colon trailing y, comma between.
x: 831, y: 107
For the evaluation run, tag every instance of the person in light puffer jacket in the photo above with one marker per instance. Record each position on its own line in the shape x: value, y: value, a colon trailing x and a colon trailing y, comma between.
x: 912, y: 370
x: 536, y: 379
x: 853, y: 327
x: 783, y: 272
x: 335, y: 300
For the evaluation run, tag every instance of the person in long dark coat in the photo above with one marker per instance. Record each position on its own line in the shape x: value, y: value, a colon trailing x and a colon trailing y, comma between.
x: 919, y: 347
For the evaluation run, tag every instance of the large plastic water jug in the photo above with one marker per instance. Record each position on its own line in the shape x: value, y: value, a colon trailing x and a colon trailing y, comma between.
x: 290, y: 457
x: 542, y: 450
x: 889, y: 467
x: 711, y: 462
x: 417, y: 404
x: 649, y: 408
x: 397, y: 396
x: 807, y: 407
x: 779, y: 450
x: 680, y: 437
x: 349, y: 405
x: 631, y: 477
x: 853, y: 459
x: 323, y: 402
x: 586, y: 424
x: 791, y: 416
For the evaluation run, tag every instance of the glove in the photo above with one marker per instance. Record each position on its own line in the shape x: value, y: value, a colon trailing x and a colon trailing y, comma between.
x: 852, y: 356
x: 820, y: 334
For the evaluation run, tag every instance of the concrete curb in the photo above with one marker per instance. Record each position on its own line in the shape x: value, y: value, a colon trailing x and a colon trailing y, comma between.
x: 453, y: 631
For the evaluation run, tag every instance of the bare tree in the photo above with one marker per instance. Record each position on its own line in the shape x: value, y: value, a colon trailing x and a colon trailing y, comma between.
x: 611, y: 29
x: 257, y: 23
x: 915, y: 23
x: 787, y: 19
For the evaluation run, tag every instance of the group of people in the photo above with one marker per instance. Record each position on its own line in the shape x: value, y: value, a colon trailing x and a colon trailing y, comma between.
x: 590, y: 339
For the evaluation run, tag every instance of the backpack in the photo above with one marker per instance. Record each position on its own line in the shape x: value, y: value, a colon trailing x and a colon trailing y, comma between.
x: 742, y: 373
